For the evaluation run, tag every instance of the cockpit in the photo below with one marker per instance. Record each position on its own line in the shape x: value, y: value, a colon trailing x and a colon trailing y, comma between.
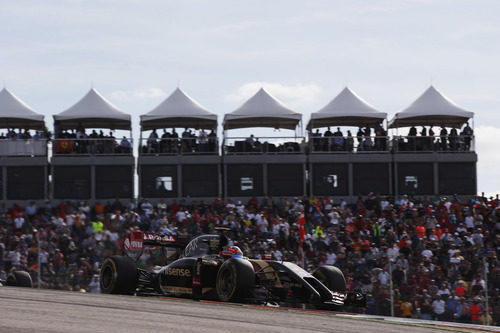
x: 204, y: 245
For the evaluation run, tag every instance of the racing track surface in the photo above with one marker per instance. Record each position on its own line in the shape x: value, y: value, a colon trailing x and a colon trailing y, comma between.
x: 32, y: 310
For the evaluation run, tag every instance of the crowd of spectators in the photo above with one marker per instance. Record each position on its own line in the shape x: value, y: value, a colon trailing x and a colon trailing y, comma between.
x: 253, y: 144
x: 426, y: 140
x: 441, y: 253
x: 21, y: 134
x: 189, y: 142
x: 364, y: 140
x: 79, y: 142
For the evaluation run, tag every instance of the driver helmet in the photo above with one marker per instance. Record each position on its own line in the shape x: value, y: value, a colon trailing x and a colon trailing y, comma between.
x: 232, y: 252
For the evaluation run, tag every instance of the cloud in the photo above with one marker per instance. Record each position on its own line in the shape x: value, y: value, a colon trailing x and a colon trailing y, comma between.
x: 234, y: 28
x: 146, y: 93
x: 298, y: 95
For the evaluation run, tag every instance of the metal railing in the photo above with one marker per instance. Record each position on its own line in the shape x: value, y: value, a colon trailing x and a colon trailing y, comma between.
x: 91, y: 146
x: 179, y: 146
x: 240, y: 145
x: 264, y: 145
x: 448, y: 143
x: 23, y: 147
x: 348, y: 144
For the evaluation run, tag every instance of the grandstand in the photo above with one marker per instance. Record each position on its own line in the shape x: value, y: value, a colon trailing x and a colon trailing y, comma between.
x: 193, y: 162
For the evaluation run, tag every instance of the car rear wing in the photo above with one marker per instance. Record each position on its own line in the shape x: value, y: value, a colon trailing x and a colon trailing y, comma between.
x: 133, y: 244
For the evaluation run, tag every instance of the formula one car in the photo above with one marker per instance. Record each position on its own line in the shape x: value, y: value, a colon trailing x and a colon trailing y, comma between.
x: 18, y: 279
x: 208, y: 269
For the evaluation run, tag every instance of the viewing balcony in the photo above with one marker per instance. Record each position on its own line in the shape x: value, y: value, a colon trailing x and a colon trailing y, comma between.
x: 428, y: 144
x: 178, y: 146
x: 23, y: 147
x: 264, y: 145
x: 92, y: 147
x: 349, y: 144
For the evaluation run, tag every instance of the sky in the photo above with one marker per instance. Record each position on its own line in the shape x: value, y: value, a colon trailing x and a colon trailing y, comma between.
x: 136, y: 53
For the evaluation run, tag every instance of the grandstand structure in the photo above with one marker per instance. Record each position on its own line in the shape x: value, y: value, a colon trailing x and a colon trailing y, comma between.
x: 94, y: 167
x: 80, y: 162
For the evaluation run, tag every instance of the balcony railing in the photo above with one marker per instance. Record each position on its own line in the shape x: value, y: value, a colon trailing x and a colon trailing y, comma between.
x: 91, y: 146
x: 23, y: 147
x: 264, y: 145
x: 179, y: 146
x: 240, y: 145
x: 348, y: 144
x: 449, y: 143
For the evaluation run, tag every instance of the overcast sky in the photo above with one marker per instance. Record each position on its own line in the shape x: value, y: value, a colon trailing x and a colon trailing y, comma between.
x: 220, y: 52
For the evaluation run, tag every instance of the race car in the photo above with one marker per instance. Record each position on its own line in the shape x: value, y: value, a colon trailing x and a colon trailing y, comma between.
x: 18, y: 279
x: 209, y: 269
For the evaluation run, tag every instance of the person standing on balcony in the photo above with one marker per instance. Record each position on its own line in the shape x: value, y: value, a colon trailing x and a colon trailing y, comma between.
x: 250, y: 143
x: 380, y: 138
x: 467, y: 133
x: 185, y: 142
x: 212, y: 141
x: 81, y: 136
x: 412, y: 140
x: 443, y: 135
x: 152, y: 141
x: 359, y: 136
x: 327, y: 140
x: 338, y: 140
x: 175, y: 141
x: 349, y: 142
x: 26, y: 134
x: 368, y: 143
x: 431, y: 138
x: 165, y: 142
x: 423, y: 140
x: 125, y: 146
x: 203, y: 139
x: 453, y: 138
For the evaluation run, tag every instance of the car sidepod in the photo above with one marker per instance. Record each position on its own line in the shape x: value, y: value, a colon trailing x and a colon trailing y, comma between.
x: 177, y: 277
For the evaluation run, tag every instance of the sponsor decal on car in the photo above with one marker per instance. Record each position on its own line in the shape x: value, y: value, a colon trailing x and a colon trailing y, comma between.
x: 134, y: 242
x: 180, y: 272
x: 158, y: 238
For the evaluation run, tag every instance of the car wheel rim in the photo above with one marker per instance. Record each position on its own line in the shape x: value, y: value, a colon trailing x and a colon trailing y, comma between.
x: 106, y: 277
x: 225, y: 283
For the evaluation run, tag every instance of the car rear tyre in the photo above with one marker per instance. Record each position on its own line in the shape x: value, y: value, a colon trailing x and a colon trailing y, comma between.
x: 118, y: 276
x: 235, y: 280
x: 332, y: 277
x: 19, y: 279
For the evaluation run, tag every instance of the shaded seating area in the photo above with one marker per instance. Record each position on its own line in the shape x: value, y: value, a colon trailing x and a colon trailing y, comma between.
x: 24, y: 165
x: 79, y: 130
x: 179, y: 111
x: 431, y: 109
x: 263, y: 165
x: 266, y: 147
x: 88, y: 161
x: 30, y: 138
x: 262, y: 111
x: 347, y: 109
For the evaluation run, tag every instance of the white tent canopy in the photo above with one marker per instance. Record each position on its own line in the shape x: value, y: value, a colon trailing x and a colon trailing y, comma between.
x: 14, y: 113
x: 347, y: 109
x: 179, y: 110
x: 432, y: 108
x: 262, y: 110
x: 93, y: 111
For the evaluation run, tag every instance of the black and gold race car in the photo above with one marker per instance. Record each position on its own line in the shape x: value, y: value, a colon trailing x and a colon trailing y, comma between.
x: 207, y: 268
x: 18, y: 279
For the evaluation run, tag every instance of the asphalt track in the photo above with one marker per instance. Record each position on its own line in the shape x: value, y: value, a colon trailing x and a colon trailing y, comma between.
x: 32, y: 310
